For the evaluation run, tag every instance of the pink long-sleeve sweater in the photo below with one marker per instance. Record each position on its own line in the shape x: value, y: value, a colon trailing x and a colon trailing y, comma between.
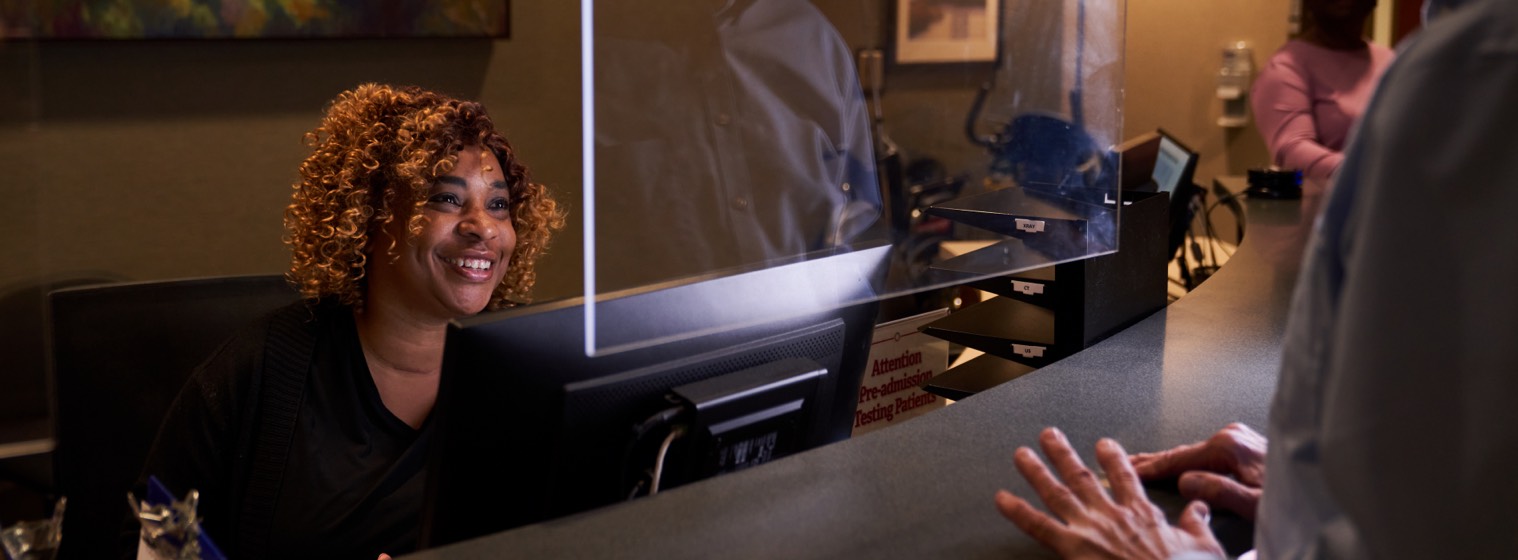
x: 1308, y: 98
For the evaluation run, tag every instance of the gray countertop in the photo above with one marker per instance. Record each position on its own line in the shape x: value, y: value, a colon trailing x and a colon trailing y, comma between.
x: 923, y: 489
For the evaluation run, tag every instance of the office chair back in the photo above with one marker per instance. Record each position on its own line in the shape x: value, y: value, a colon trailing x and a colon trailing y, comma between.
x: 118, y: 355
x: 26, y: 425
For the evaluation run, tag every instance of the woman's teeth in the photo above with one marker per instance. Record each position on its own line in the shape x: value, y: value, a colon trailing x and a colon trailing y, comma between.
x: 476, y: 264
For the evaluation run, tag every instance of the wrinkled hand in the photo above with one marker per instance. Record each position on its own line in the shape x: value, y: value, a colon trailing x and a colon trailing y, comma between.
x: 1226, y: 471
x: 1124, y: 525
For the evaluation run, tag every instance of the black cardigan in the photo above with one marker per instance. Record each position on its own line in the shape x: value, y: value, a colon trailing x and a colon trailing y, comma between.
x: 248, y: 394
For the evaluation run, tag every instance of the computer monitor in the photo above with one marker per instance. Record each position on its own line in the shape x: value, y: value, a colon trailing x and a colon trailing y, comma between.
x: 1174, y: 165
x: 1174, y: 173
x: 531, y: 428
x: 1156, y: 161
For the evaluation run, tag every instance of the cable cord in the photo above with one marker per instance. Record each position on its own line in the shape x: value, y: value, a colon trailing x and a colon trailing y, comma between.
x: 631, y: 454
x: 1192, y: 246
x: 1224, y: 200
x: 1198, y: 203
x: 1212, y: 240
x: 1212, y: 234
x: 1238, y: 223
x: 674, y: 434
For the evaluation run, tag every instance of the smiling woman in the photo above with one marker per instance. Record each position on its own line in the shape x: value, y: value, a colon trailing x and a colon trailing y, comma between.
x: 306, y: 434
x: 378, y: 154
x: 453, y: 264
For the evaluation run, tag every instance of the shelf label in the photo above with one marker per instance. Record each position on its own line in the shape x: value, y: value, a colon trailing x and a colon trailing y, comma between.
x: 1028, y: 351
x: 1027, y: 288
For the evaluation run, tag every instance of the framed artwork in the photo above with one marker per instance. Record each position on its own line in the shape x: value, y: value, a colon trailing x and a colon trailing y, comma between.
x: 252, y: 19
x: 946, y: 30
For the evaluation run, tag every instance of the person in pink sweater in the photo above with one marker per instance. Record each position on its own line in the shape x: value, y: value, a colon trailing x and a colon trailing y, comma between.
x: 1313, y: 90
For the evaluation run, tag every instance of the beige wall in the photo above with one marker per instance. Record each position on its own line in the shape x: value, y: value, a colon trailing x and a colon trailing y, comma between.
x: 1174, y: 52
x: 167, y: 159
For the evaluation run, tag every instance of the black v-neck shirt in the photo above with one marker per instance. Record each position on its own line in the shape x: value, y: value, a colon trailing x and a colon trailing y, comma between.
x: 354, y: 480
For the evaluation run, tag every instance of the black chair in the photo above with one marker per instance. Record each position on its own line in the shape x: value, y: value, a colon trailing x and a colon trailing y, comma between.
x: 118, y: 355
x: 26, y: 430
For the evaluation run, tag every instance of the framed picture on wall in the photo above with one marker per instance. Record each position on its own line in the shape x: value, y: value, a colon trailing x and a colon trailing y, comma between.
x: 282, y: 19
x: 946, y: 30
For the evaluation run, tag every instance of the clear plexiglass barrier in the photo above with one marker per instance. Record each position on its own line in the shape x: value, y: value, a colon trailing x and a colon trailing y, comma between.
x: 793, y: 154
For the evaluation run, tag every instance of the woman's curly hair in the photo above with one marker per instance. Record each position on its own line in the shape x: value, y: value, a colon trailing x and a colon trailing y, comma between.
x: 376, y: 154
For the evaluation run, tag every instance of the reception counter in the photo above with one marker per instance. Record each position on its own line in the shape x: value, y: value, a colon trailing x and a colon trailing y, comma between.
x: 924, y: 489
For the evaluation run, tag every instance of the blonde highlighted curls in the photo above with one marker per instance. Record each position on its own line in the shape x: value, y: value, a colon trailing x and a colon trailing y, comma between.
x: 375, y: 156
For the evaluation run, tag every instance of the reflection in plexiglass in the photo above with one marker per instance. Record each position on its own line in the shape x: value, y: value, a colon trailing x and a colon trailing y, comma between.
x: 735, y: 139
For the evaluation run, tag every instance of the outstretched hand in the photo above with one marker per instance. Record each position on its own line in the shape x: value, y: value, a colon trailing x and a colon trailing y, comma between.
x: 1095, y: 525
x: 1226, y: 471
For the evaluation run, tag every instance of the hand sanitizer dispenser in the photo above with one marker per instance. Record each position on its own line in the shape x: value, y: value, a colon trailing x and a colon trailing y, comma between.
x: 1233, y: 85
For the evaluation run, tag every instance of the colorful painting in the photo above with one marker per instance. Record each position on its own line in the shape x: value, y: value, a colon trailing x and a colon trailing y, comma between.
x: 229, y: 19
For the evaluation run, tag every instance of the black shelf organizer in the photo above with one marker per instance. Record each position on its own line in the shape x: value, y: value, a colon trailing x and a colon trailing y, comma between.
x: 1054, y: 306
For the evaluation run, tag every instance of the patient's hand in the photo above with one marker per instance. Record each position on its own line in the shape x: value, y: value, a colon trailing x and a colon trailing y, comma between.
x: 1124, y: 525
x: 1226, y: 471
